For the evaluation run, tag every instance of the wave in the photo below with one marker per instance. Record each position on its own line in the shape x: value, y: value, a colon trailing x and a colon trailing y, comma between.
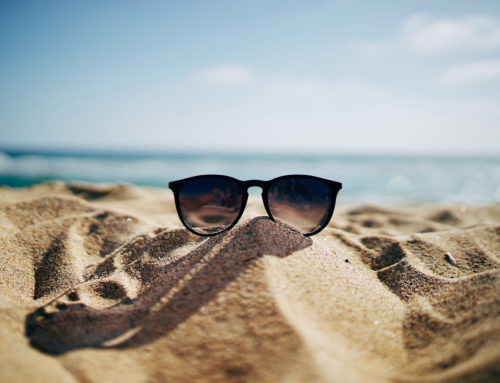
x: 366, y: 179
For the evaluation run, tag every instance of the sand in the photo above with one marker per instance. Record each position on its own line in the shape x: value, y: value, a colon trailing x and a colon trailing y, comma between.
x: 101, y: 283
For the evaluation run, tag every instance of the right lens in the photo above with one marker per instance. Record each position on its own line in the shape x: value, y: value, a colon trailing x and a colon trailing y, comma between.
x: 301, y: 202
x: 209, y: 205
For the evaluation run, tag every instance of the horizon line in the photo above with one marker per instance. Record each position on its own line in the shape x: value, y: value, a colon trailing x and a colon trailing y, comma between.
x: 155, y: 151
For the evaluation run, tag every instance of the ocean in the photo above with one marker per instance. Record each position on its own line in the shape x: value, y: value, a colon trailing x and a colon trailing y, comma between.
x: 366, y: 178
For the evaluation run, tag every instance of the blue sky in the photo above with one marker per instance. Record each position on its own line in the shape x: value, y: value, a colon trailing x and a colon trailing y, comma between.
x: 311, y: 76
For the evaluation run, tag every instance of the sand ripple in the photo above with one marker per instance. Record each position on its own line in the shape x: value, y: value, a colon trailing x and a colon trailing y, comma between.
x: 103, y: 283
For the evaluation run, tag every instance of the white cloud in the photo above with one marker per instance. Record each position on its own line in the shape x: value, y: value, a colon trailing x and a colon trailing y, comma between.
x: 427, y: 35
x: 473, y: 72
x: 227, y: 74
x: 311, y: 114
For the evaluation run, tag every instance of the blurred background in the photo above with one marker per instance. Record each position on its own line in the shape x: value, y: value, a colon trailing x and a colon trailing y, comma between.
x: 399, y: 101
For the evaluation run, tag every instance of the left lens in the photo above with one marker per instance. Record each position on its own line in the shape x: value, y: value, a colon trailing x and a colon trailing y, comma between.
x: 209, y: 205
x: 301, y: 202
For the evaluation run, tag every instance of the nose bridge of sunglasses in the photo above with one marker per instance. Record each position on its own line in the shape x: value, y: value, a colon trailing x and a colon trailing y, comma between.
x: 256, y: 183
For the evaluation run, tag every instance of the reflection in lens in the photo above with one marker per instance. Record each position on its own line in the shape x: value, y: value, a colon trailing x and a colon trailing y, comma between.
x: 301, y: 202
x: 210, y: 205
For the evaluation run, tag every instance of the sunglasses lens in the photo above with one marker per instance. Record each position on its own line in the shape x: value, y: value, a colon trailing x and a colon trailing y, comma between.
x: 209, y: 205
x: 301, y: 202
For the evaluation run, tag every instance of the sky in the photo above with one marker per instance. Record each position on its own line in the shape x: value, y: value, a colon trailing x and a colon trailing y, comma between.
x: 243, y: 76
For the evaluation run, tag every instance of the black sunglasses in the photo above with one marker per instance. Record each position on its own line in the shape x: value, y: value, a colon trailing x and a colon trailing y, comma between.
x: 210, y: 204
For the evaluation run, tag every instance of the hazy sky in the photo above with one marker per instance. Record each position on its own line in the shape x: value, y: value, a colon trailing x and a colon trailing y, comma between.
x: 329, y: 76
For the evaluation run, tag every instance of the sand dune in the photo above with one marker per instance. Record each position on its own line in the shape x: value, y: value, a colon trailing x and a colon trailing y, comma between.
x: 102, y: 283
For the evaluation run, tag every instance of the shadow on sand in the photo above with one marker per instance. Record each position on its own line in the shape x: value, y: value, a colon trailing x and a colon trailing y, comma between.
x: 170, y: 289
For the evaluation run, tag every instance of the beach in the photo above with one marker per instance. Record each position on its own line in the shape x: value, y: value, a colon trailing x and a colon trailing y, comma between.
x: 102, y: 283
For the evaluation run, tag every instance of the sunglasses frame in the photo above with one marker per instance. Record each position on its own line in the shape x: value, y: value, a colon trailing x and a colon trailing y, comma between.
x: 176, y: 187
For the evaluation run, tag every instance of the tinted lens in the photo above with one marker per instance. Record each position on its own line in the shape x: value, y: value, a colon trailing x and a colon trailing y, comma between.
x: 301, y: 202
x: 209, y: 205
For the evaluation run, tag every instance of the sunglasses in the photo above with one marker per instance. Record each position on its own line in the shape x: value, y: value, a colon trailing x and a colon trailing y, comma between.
x: 211, y: 204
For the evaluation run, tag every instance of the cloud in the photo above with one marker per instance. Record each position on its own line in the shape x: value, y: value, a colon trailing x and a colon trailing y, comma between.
x: 283, y: 112
x: 226, y: 74
x: 427, y: 35
x: 473, y: 72
x: 424, y: 34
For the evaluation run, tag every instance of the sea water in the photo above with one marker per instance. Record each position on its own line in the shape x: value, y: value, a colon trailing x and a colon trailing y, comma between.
x: 366, y: 178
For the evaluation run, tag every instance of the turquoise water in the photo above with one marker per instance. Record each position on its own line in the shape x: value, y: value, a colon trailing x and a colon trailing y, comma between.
x: 366, y: 179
